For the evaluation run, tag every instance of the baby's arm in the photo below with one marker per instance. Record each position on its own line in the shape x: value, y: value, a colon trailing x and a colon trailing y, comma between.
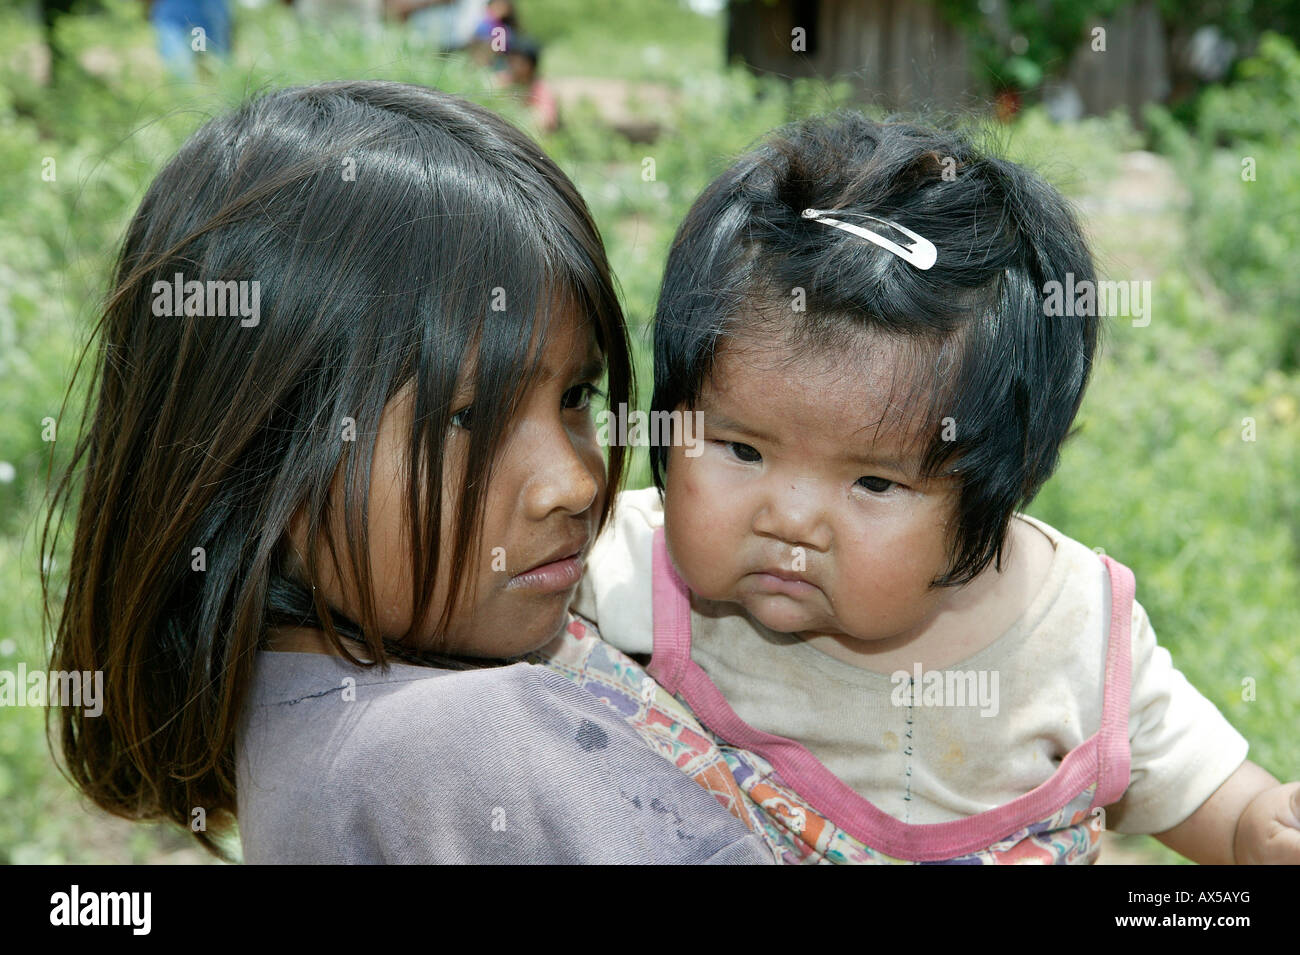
x: 1191, y: 785
x: 1251, y: 819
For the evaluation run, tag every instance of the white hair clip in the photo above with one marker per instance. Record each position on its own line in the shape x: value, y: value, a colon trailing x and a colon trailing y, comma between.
x: 921, y: 253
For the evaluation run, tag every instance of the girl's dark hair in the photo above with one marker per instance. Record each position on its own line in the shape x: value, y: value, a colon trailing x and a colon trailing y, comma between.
x: 986, y: 355
x: 395, y: 233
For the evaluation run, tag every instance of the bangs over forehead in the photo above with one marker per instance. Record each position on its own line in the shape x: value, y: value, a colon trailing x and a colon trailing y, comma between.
x: 910, y: 381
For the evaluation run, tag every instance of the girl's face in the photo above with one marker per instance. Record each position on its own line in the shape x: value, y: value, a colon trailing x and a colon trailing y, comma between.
x: 542, y: 506
x: 804, y: 506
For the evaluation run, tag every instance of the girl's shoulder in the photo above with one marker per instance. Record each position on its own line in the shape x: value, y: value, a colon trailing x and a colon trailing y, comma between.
x: 1060, y: 573
x: 389, y: 711
x: 1077, y: 554
x: 510, y: 763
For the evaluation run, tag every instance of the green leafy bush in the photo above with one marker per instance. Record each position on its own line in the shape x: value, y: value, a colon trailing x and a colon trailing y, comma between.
x: 1239, y: 163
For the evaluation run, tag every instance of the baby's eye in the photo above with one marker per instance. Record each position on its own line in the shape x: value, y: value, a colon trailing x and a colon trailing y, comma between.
x: 462, y: 418
x: 743, y: 451
x: 579, y: 397
x: 877, y: 485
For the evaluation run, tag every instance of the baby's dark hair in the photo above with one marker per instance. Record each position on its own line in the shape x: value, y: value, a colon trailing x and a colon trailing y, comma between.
x: 998, y: 382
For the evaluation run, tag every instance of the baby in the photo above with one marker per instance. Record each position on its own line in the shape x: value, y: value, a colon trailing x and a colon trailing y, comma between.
x: 841, y: 586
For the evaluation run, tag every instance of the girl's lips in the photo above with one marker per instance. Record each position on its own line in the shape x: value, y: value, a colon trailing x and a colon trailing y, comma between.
x: 783, y: 585
x: 556, y: 576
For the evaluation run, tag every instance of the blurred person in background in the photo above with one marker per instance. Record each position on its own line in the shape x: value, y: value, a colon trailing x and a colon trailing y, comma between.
x: 520, y: 75
x: 176, y: 22
x: 449, y: 23
x: 494, y: 34
x: 348, y: 14
x: 498, y: 15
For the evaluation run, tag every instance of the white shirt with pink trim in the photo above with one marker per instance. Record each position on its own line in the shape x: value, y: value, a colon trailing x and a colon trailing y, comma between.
x: 943, y: 745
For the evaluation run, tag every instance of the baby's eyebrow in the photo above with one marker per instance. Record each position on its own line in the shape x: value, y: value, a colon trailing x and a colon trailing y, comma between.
x: 864, y: 458
x: 712, y: 418
x: 868, y: 459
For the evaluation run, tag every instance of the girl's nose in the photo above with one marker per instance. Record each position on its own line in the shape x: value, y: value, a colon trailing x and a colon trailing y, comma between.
x: 560, y: 478
x: 792, y: 513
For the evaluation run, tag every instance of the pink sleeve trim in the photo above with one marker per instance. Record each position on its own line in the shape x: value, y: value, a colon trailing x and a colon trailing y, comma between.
x: 1104, y: 754
x: 671, y: 654
x: 1113, y: 755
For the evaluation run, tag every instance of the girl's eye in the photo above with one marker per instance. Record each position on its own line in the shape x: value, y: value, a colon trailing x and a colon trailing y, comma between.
x: 462, y: 418
x: 744, y: 452
x: 578, y: 398
x: 877, y: 485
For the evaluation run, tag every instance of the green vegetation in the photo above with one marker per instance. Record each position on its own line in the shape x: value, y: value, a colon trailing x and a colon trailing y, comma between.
x: 1159, y: 473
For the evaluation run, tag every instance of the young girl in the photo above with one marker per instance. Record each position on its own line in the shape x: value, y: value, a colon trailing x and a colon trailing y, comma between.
x: 839, y: 583
x: 340, y: 419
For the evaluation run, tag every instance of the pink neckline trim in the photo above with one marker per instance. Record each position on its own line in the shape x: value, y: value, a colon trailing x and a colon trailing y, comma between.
x: 1103, y: 757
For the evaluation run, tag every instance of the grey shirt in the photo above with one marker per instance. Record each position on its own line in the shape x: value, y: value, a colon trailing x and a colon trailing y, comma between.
x: 512, y: 764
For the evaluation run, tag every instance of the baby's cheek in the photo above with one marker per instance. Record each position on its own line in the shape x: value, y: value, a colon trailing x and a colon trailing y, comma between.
x: 869, y: 598
x: 699, y: 532
x: 883, y: 583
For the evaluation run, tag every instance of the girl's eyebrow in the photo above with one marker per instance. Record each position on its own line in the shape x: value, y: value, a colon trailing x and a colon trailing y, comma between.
x: 594, y: 367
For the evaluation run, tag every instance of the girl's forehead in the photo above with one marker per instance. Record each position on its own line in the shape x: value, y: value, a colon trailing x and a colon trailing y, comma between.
x: 569, y: 337
x: 855, y: 365
x: 561, y: 334
x: 871, y: 389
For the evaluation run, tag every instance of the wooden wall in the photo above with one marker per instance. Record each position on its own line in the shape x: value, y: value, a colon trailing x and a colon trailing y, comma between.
x: 902, y: 55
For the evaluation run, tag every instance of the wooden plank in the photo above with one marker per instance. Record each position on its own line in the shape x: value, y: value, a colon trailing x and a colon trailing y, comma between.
x: 903, y: 55
x: 897, y: 57
x: 870, y: 75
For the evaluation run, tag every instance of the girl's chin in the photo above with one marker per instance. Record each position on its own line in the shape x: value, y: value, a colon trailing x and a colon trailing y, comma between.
x: 539, y: 637
x: 507, y: 643
x: 551, y: 643
x: 779, y: 613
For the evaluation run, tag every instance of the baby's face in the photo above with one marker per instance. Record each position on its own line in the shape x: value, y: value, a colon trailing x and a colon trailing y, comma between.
x: 804, y: 506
